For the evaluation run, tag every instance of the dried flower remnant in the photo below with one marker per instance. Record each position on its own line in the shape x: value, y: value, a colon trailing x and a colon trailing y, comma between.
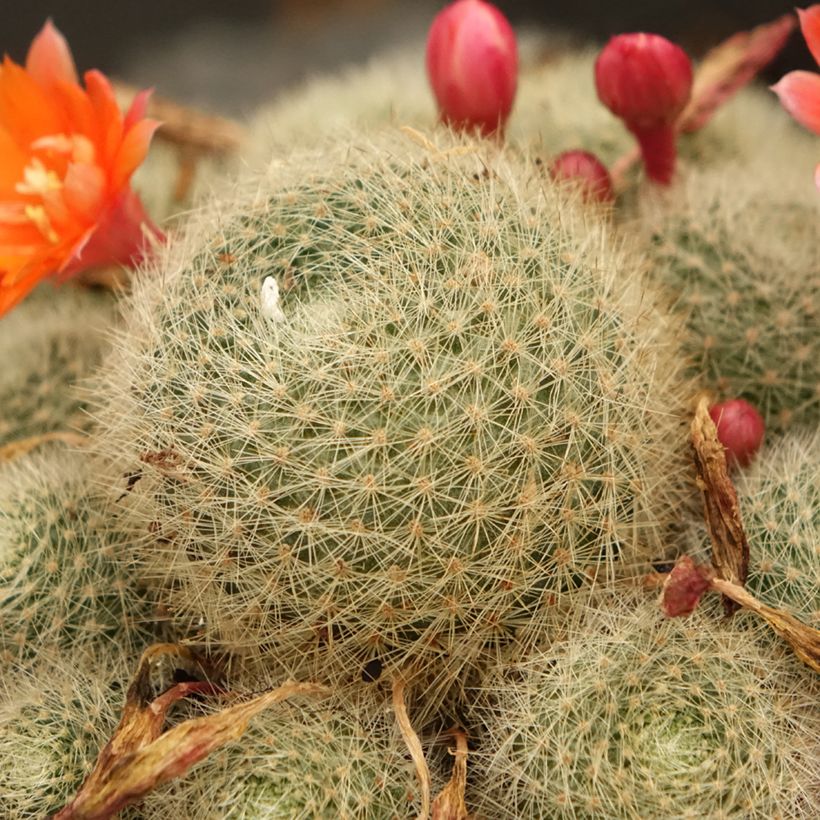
x: 67, y: 154
x: 588, y: 172
x: 472, y: 64
x: 740, y: 429
x: 646, y: 80
x: 799, y: 91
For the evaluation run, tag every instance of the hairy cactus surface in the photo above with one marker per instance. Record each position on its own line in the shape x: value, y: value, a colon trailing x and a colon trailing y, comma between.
x: 55, y: 718
x: 750, y: 289
x: 635, y: 716
x: 64, y: 581
x: 328, y: 758
x: 49, y: 344
x: 468, y: 402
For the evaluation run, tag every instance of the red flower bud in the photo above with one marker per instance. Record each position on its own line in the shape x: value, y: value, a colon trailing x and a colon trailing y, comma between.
x: 472, y: 63
x: 646, y: 81
x: 740, y: 429
x: 587, y: 171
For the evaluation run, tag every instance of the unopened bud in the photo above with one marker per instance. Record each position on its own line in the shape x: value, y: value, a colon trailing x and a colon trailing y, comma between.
x: 472, y: 63
x: 646, y: 81
x: 585, y: 169
x: 740, y: 429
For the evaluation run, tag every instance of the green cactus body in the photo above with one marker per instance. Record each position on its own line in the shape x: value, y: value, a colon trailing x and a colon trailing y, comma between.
x: 750, y: 290
x: 54, y: 720
x: 302, y: 760
x: 471, y: 402
x: 634, y: 716
x: 63, y: 580
x: 48, y: 344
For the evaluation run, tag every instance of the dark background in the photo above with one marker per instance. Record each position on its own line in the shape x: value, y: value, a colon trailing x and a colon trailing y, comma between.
x: 230, y: 54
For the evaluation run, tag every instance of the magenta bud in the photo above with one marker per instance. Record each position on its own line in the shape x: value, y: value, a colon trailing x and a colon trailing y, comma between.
x: 646, y: 81
x: 585, y: 169
x: 472, y: 63
x: 740, y: 429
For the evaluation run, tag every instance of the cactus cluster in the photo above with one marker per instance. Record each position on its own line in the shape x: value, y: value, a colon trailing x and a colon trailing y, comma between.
x: 49, y: 346
x: 470, y: 403
x: 64, y: 580
x: 632, y: 715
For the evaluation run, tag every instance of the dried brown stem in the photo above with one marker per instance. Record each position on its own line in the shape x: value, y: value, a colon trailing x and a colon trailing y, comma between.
x: 451, y: 803
x: 15, y: 449
x: 413, y: 745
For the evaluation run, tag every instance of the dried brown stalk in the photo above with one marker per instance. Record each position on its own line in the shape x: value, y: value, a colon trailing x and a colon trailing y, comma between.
x: 15, y: 449
x: 451, y: 804
x: 730, y: 547
x: 413, y: 745
x: 188, y: 127
x: 140, y: 756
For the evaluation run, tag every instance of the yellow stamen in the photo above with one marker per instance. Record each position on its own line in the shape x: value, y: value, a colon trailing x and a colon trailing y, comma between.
x: 37, y: 214
x: 38, y: 180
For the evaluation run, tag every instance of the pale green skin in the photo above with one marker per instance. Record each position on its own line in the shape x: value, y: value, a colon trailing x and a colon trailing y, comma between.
x: 636, y: 716
x: 453, y: 423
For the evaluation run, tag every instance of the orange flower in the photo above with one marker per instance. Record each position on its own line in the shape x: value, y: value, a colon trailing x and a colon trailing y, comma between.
x: 66, y: 157
x: 799, y: 91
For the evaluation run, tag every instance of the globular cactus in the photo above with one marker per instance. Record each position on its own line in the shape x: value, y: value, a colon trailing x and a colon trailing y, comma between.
x: 340, y: 757
x: 749, y: 287
x: 64, y: 577
x: 48, y: 345
x: 472, y: 401
x: 631, y: 715
x: 55, y: 717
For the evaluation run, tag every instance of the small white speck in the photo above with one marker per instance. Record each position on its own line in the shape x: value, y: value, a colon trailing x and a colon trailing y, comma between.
x: 270, y: 300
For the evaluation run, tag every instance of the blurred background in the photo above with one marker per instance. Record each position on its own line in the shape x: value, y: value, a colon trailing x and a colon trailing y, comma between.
x: 229, y: 55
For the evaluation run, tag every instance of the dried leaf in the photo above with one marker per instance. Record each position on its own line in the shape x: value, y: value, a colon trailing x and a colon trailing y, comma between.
x: 140, y: 756
x: 413, y: 745
x: 730, y: 66
x: 730, y: 548
x: 450, y: 804
x: 804, y: 640
x: 683, y: 588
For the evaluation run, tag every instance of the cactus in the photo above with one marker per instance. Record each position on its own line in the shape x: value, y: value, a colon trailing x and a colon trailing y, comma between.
x: 64, y: 581
x: 55, y: 718
x: 472, y: 400
x: 341, y: 758
x: 749, y: 287
x: 633, y: 716
x: 52, y: 341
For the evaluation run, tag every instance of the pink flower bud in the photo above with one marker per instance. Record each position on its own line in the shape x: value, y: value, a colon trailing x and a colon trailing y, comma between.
x: 587, y: 171
x: 740, y: 429
x: 472, y: 63
x: 646, y: 81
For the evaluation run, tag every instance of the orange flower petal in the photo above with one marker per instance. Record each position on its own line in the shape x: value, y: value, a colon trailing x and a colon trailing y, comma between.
x: 810, y: 26
x: 12, y: 162
x: 26, y: 108
x: 132, y: 152
x: 137, y: 109
x: 107, y: 114
x: 49, y: 59
x: 84, y: 190
x: 799, y: 92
